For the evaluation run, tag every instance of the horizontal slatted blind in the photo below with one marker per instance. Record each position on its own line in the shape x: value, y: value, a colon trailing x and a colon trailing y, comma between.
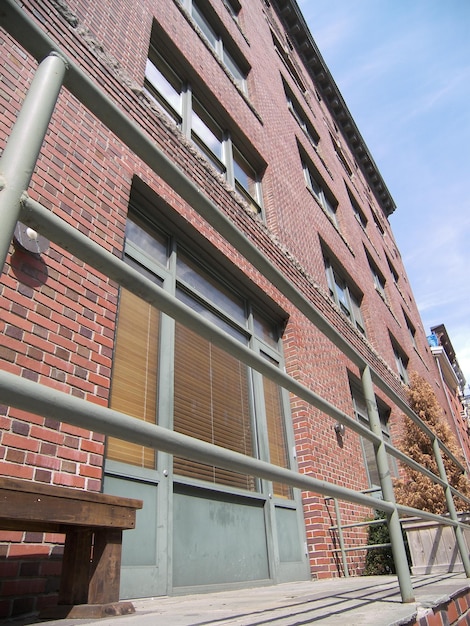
x: 276, y: 433
x: 211, y: 403
x: 134, y: 389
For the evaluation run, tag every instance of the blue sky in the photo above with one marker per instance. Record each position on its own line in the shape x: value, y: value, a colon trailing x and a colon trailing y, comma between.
x: 403, y: 68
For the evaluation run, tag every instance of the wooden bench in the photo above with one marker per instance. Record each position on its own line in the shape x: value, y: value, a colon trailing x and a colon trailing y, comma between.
x: 92, y: 524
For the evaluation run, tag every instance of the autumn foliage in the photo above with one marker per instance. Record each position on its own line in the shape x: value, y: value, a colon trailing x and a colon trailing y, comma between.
x: 414, y: 489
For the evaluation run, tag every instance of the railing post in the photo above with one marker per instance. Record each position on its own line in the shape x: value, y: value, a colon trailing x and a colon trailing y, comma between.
x: 459, y: 538
x: 394, y: 526
x: 341, y: 538
x: 22, y: 150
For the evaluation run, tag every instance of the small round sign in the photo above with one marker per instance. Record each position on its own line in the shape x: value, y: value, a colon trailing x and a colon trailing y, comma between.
x: 29, y: 239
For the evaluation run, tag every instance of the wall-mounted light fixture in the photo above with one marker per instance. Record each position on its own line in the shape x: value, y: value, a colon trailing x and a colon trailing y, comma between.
x: 339, y: 429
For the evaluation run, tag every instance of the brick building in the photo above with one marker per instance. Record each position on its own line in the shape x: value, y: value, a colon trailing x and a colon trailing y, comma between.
x: 238, y: 97
x: 453, y: 383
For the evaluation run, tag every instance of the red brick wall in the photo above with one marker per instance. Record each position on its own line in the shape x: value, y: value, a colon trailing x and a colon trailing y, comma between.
x: 57, y: 314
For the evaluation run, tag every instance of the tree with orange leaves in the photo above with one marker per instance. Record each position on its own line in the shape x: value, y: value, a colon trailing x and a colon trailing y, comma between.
x: 415, y: 489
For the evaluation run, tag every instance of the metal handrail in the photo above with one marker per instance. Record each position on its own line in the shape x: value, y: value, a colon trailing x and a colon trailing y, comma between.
x: 39, y: 399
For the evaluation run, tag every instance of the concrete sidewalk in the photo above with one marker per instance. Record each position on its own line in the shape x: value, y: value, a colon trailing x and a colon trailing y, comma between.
x: 372, y: 601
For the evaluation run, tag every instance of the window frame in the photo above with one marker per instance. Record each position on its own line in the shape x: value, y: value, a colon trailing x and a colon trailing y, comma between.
x: 191, y: 104
x: 244, y: 314
x: 320, y: 192
x: 351, y: 305
x: 217, y: 42
x: 401, y: 360
x: 361, y: 415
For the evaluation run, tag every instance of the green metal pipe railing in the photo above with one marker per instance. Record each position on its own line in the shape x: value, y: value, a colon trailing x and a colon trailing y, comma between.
x: 70, y: 239
x: 17, y: 165
x: 393, y: 518
x: 42, y: 400
x: 39, y: 45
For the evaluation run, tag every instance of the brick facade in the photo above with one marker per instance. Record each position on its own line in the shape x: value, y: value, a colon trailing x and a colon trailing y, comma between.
x: 58, y: 314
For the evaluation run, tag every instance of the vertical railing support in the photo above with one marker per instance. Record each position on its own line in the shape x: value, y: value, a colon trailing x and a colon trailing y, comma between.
x: 22, y: 150
x: 393, y: 520
x: 341, y: 538
x: 459, y: 538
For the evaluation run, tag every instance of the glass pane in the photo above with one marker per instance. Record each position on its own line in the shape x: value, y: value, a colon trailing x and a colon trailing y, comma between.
x: 265, y: 330
x: 208, y: 286
x: 134, y: 382
x: 329, y: 208
x: 211, y: 404
x: 204, y: 25
x: 154, y: 245
x: 233, y: 9
x: 316, y: 188
x: 357, y: 313
x: 234, y: 69
x: 207, y: 135
x: 245, y: 176
x: 330, y: 280
x: 341, y: 292
x: 212, y: 316
x: 166, y: 93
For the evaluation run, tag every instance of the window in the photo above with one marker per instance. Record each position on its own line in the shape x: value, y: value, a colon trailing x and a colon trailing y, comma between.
x: 380, y: 228
x: 411, y: 329
x: 216, y: 41
x: 341, y: 155
x: 176, y: 98
x: 393, y: 271
x: 300, y: 117
x: 358, y: 213
x: 207, y: 135
x: 233, y: 7
x: 401, y: 361
x: 377, y: 276
x: 379, y: 280
x: 346, y: 298
x: 215, y: 397
x: 360, y: 410
x: 289, y: 63
x: 320, y: 192
x: 164, y: 86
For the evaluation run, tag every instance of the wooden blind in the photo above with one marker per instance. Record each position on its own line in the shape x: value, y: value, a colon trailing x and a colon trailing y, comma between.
x: 134, y: 388
x: 211, y: 403
x: 276, y: 433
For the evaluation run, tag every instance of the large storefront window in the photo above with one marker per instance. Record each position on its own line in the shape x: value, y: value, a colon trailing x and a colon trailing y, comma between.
x: 213, y: 396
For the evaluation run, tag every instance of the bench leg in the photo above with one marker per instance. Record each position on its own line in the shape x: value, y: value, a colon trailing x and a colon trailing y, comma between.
x: 105, y: 572
x: 91, y: 572
x: 91, y: 566
x: 75, y: 578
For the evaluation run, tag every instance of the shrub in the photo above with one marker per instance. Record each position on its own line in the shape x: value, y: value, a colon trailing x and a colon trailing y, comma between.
x: 379, y: 561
